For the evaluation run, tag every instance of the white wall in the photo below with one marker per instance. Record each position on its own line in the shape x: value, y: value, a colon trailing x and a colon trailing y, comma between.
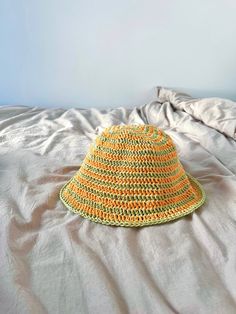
x: 103, y: 53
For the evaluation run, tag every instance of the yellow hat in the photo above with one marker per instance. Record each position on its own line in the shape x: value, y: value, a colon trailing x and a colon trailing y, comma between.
x: 132, y: 177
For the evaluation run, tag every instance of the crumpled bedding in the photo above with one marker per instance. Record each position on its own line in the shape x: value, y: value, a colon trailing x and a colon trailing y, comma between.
x: 54, y: 261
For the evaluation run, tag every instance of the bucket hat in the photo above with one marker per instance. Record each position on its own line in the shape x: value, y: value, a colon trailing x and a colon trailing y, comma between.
x: 132, y: 177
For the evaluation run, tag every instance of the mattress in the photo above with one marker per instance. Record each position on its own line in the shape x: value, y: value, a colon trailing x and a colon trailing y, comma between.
x: 54, y: 261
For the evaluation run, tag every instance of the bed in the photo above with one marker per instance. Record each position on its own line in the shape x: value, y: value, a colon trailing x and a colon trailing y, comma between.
x: 54, y: 261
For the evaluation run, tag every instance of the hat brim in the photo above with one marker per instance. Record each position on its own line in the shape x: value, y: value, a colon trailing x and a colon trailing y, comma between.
x: 200, y: 197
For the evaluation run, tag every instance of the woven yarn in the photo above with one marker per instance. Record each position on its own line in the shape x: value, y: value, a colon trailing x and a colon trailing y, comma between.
x: 131, y: 176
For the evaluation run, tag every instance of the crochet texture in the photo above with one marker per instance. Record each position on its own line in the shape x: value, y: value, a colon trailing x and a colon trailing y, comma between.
x: 132, y: 177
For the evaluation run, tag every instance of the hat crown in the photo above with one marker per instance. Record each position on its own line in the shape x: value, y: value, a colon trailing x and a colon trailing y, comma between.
x: 133, y: 156
x: 139, y: 132
x: 132, y: 142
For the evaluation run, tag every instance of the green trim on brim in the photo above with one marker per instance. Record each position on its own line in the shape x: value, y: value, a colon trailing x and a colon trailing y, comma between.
x: 194, y: 183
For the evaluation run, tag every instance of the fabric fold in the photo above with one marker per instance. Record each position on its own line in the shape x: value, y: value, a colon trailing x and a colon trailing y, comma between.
x: 215, y: 112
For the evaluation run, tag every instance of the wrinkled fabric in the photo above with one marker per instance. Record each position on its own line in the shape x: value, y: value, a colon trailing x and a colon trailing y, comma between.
x: 54, y: 261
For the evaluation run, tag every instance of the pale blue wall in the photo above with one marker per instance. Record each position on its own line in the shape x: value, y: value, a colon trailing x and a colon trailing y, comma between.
x: 112, y: 53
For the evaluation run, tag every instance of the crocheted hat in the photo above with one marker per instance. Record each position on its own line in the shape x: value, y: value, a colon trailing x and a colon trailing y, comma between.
x: 132, y: 176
